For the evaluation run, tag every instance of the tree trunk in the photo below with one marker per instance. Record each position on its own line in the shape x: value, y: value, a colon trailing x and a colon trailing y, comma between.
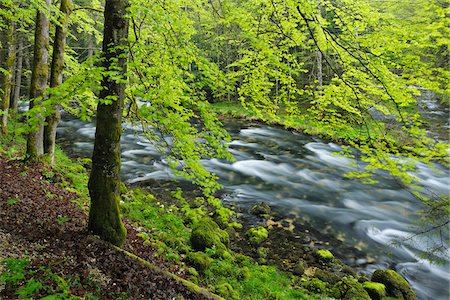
x: 18, y: 69
x: 104, y: 215
x: 56, y: 76
x: 39, y: 76
x: 6, y: 82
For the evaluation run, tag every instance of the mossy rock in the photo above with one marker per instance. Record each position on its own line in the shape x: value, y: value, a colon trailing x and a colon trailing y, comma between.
x: 356, y: 293
x: 327, y: 276
x: 257, y: 235
x: 324, y: 256
x: 261, y: 209
x: 299, y: 268
x: 262, y: 252
x: 315, y: 285
x: 349, y: 288
x: 375, y: 290
x: 226, y: 290
x: 199, y: 260
x: 207, y: 234
x: 396, y: 285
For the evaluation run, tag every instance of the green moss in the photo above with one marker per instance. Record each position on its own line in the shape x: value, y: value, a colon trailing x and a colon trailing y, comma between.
x: 257, y: 235
x: 327, y: 276
x: 315, y: 285
x: 396, y: 285
x: 262, y: 252
x: 325, y: 254
x: 199, y: 260
x: 349, y: 288
x: 375, y: 290
x: 226, y: 290
x: 356, y: 293
x: 207, y: 234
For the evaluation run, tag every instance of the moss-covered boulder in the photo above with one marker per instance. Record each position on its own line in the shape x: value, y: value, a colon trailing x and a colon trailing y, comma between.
x: 324, y: 256
x: 207, y: 234
x: 375, y: 290
x: 396, y: 285
x: 257, y: 235
x: 199, y: 260
x: 349, y: 288
x: 261, y: 209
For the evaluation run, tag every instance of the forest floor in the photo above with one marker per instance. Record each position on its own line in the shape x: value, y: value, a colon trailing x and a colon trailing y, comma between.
x: 43, y: 232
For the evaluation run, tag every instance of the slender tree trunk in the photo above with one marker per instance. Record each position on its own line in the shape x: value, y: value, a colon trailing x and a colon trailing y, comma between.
x: 56, y: 76
x: 104, y: 215
x: 6, y: 82
x: 18, y: 69
x: 39, y: 76
x: 319, y: 56
x: 319, y: 70
x: 91, y: 39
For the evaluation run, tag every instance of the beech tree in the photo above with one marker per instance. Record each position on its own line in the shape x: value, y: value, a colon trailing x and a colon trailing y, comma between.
x: 6, y: 70
x: 39, y: 77
x: 104, y: 181
x: 56, y: 78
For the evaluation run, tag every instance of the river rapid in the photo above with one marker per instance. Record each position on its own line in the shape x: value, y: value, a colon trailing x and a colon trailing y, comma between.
x: 300, y: 175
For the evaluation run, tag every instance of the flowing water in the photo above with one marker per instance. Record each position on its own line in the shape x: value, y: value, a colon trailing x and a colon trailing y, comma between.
x: 300, y: 175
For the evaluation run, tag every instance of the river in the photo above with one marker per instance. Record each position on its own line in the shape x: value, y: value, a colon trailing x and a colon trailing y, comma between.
x: 300, y: 175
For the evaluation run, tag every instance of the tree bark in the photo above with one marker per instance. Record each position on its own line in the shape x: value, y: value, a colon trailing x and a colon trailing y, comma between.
x: 104, y: 181
x: 18, y: 74
x: 56, y: 76
x: 7, y: 77
x: 39, y: 76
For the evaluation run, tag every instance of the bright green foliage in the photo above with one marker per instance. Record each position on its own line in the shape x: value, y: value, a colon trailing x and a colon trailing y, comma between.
x: 30, y: 283
x: 169, y: 228
x: 163, y: 96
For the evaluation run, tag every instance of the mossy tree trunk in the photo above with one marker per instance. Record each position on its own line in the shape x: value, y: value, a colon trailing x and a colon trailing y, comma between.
x: 104, y: 181
x: 39, y: 76
x: 6, y: 76
x: 56, y: 77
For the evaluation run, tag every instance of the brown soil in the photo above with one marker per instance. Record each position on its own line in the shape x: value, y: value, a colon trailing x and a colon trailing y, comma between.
x: 40, y: 220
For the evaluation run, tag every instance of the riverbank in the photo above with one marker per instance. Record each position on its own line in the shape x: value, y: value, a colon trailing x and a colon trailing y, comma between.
x: 160, y: 233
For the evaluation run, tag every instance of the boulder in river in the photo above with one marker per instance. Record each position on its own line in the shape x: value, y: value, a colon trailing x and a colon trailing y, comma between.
x: 375, y: 290
x: 396, y: 285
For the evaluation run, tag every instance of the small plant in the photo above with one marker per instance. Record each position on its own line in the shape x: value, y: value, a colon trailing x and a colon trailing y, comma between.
x: 12, y: 201
x: 61, y: 220
x: 14, y: 271
x: 48, y: 174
